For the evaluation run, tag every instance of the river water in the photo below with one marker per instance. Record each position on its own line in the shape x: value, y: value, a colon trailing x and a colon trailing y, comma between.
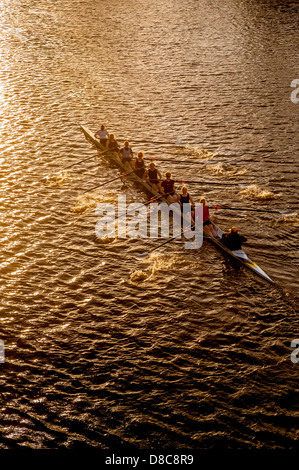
x: 183, y: 348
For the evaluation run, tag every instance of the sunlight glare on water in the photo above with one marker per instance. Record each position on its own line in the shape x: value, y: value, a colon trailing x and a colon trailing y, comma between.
x: 184, y: 348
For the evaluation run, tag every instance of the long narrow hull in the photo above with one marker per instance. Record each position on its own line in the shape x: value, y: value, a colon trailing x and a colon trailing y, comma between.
x: 238, y: 255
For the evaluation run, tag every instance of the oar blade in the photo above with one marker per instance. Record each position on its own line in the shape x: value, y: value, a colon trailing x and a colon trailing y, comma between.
x: 288, y: 212
x: 142, y: 255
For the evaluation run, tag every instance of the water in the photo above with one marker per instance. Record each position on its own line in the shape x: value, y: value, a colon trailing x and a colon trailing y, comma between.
x: 183, y: 348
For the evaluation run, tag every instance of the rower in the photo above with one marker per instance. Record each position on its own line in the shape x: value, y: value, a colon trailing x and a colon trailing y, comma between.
x: 169, y: 188
x: 185, y: 198
x: 207, y: 224
x: 233, y: 240
x: 153, y: 177
x: 102, y: 134
x: 113, y: 144
x: 139, y: 165
x: 126, y: 154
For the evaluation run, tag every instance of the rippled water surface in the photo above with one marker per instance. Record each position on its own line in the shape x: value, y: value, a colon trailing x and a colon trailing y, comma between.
x: 183, y: 348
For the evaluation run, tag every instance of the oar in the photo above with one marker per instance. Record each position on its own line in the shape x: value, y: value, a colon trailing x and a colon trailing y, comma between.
x: 84, y: 160
x: 110, y: 181
x: 131, y: 212
x: 180, y: 161
x: 146, y: 253
x: 105, y: 151
x: 69, y: 166
x: 253, y: 210
x: 100, y: 154
x: 76, y: 163
x: 153, y: 199
x: 212, y: 182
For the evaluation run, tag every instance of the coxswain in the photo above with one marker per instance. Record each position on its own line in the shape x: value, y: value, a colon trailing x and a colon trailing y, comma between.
x: 207, y: 224
x: 153, y: 177
x: 169, y: 188
x: 233, y: 240
x: 103, y: 135
x: 139, y: 165
x: 112, y: 144
x: 126, y: 154
x: 185, y: 198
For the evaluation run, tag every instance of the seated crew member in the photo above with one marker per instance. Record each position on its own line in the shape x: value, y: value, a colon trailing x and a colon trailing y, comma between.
x: 185, y: 198
x: 233, y: 240
x: 139, y: 165
x: 207, y: 224
x: 113, y: 144
x: 126, y: 154
x: 102, y: 134
x: 153, y: 177
x: 169, y: 188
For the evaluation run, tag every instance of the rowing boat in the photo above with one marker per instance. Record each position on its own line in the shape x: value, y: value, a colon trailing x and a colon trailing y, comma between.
x: 238, y: 255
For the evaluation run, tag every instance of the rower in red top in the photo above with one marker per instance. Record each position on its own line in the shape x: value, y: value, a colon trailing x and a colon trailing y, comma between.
x: 169, y: 188
x: 207, y: 224
x: 233, y: 240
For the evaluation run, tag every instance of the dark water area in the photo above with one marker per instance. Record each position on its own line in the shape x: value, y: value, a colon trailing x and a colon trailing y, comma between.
x: 184, y: 348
